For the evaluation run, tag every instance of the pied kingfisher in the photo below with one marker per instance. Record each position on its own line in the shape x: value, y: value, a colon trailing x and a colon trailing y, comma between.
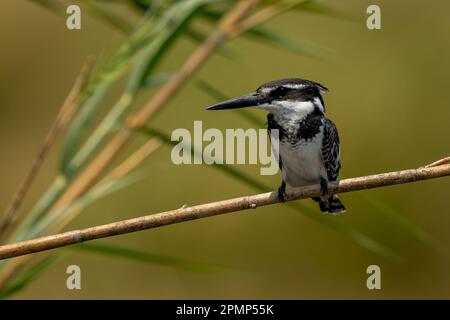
x: 307, y: 144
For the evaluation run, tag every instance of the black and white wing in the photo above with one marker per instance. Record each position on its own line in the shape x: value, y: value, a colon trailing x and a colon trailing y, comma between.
x: 331, y: 150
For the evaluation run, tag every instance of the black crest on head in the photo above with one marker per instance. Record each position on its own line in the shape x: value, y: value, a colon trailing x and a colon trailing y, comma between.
x: 292, y: 89
x: 292, y: 83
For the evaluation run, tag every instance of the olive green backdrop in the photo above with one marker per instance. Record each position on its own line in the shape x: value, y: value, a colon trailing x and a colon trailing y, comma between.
x: 389, y: 96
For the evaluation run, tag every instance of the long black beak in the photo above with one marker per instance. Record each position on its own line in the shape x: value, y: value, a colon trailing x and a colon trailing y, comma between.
x: 248, y: 100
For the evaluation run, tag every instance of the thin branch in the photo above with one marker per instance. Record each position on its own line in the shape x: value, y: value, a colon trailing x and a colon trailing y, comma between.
x: 64, y: 116
x: 217, y: 208
x: 439, y: 162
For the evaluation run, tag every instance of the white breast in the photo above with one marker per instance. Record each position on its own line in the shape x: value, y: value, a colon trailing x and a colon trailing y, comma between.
x: 302, y: 162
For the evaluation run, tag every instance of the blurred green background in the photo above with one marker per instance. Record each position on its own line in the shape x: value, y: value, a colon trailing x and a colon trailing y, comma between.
x: 388, y: 96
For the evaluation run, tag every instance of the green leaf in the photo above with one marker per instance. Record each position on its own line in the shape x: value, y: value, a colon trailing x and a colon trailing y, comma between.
x: 99, y: 191
x: 80, y: 127
x: 212, y: 15
x: 211, y: 91
x: 279, y: 40
x: 108, y: 16
x: 396, y: 217
x: 38, y: 211
x: 96, y: 92
x: 28, y: 275
x: 179, y: 18
x: 92, y: 96
x: 167, y: 30
x: 157, y: 80
x: 356, y: 236
x: 140, y: 4
x: 149, y: 258
x: 199, y: 37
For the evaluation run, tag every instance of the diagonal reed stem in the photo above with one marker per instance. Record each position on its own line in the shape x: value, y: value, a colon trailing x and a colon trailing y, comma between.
x: 66, y: 113
x: 192, y: 64
x: 123, y: 169
x: 217, y: 208
x: 99, y: 164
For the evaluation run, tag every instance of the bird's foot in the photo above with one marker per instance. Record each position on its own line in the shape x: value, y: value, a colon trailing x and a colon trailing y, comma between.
x: 324, y: 186
x: 282, y: 192
x: 324, y: 206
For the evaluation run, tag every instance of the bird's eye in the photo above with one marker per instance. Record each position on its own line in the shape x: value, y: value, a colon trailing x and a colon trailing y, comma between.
x: 280, y: 91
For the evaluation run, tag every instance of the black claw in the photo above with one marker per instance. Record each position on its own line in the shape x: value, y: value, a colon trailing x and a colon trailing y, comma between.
x: 324, y: 186
x: 323, y: 206
x: 282, y: 192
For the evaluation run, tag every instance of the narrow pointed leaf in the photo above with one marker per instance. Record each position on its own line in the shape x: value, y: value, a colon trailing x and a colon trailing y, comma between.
x: 166, y: 31
x: 28, y: 275
x: 178, y: 22
x: 82, y: 203
x: 279, y: 40
x: 396, y: 217
x: 157, y: 80
x: 80, y: 127
x: 199, y: 37
x: 108, y: 16
x: 96, y: 92
x: 146, y: 257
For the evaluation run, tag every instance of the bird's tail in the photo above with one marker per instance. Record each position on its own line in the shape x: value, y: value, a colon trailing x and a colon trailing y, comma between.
x: 330, y: 204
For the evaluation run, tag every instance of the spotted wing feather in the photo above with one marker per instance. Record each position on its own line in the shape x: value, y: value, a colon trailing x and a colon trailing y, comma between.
x: 331, y: 150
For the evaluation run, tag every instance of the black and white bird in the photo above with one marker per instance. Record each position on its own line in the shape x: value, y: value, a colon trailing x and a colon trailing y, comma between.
x: 307, y: 143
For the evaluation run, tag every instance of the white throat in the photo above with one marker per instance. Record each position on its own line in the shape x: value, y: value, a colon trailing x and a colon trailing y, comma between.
x: 292, y: 110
